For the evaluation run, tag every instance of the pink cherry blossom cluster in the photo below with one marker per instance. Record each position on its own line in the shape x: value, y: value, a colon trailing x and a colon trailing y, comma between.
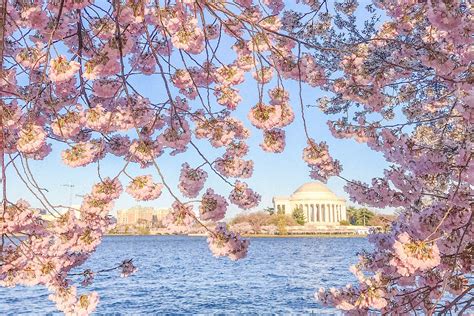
x: 31, y: 139
x: 271, y: 118
x: 321, y: 163
x: 411, y: 256
x: 83, y: 153
x: 226, y: 243
x: 234, y: 166
x: 243, y: 196
x: 220, y: 132
x: 191, y: 181
x: 181, y: 218
x: 418, y: 264
x: 63, y: 243
x: 176, y: 136
x: 107, y: 189
x: 265, y: 116
x: 370, y: 295
x: 213, y: 206
x: 62, y: 69
x: 237, y: 149
x: 142, y: 188
x: 144, y: 151
x: 69, y: 81
x: 273, y: 140
x: 69, y: 125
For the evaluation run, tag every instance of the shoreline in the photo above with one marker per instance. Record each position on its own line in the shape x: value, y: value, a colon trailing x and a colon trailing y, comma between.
x: 251, y: 235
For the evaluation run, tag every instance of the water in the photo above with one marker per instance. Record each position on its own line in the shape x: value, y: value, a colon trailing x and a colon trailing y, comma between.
x: 179, y: 275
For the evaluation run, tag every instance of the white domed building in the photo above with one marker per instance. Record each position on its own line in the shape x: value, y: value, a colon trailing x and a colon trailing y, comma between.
x: 319, y: 204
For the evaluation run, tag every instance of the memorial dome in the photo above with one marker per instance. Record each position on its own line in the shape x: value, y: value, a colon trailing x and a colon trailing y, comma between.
x: 314, y: 190
x: 320, y: 205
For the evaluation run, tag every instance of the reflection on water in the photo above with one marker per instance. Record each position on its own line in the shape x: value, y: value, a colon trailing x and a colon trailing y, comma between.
x: 179, y: 275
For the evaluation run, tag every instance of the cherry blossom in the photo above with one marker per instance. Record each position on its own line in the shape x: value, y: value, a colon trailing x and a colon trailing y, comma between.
x: 31, y: 139
x: 68, y: 125
x: 400, y: 86
x: 83, y: 153
x: 414, y: 255
x: 107, y: 189
x: 273, y: 141
x: 235, y: 167
x: 322, y: 164
x: 106, y: 88
x: 191, y: 181
x: 62, y: 69
x: 142, y: 188
x: 144, y: 151
x: 189, y: 37
x: 30, y: 57
x: 422, y: 251
x: 226, y: 243
x: 243, y: 196
x: 213, y: 206
x: 265, y: 116
x: 181, y: 218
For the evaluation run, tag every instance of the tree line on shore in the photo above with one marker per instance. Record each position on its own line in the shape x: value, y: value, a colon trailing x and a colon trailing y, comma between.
x: 267, y: 221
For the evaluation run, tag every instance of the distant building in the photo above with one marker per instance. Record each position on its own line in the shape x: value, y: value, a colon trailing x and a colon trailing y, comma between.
x: 141, y: 215
x: 319, y: 204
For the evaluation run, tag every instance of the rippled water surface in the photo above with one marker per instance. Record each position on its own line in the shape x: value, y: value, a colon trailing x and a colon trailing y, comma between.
x: 179, y: 275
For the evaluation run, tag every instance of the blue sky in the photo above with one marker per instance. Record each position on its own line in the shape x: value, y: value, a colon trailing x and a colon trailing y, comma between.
x: 274, y: 174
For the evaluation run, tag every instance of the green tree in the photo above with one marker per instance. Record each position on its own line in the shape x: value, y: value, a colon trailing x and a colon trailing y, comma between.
x: 351, y: 215
x: 298, y: 215
x: 359, y: 216
x: 364, y: 215
x: 269, y: 210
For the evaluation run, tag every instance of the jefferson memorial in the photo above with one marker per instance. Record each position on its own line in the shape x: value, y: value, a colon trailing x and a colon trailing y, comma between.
x: 320, y: 205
